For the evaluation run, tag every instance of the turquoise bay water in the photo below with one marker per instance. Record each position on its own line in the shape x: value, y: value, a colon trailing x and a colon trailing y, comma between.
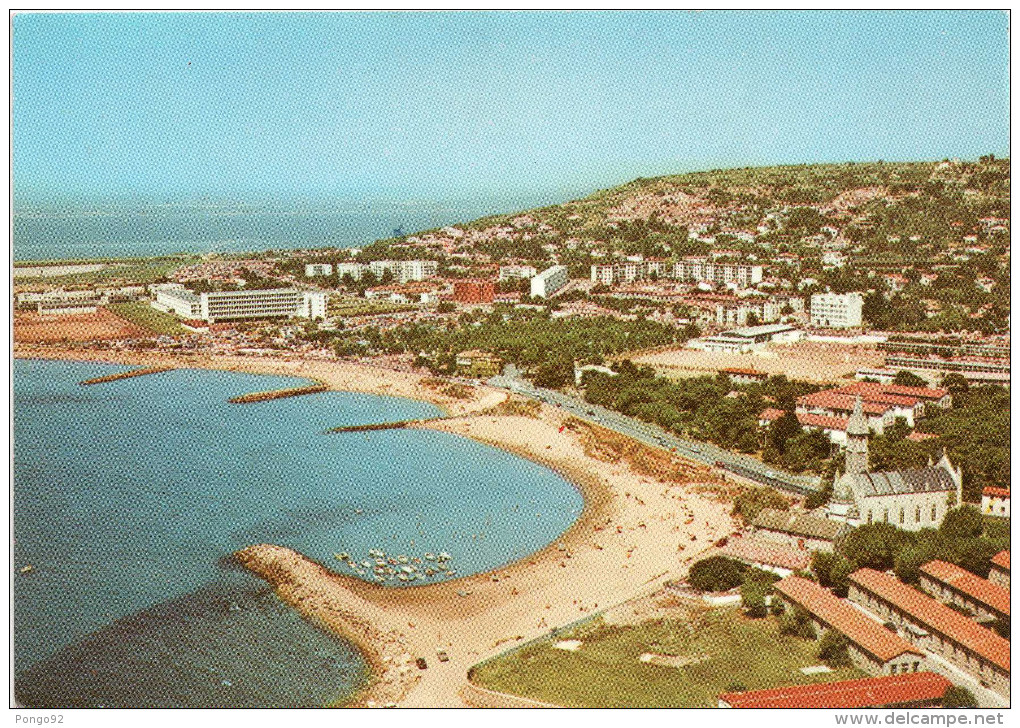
x: 129, y: 495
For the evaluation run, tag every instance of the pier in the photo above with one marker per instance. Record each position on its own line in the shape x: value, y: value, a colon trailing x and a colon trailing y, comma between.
x: 125, y: 375
x: 277, y: 394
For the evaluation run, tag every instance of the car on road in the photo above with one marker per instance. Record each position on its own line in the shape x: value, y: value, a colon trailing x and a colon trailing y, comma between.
x: 695, y: 448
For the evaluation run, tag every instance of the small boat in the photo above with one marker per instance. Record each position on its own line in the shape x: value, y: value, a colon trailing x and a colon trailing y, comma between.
x: 366, y: 564
x: 407, y: 569
x: 343, y: 556
x: 402, y: 577
x: 402, y: 559
x: 443, y: 556
x: 429, y: 572
x: 27, y: 569
x: 430, y: 557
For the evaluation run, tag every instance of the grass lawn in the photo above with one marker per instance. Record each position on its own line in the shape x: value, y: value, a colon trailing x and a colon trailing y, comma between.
x: 144, y: 315
x: 605, y: 672
x: 996, y: 527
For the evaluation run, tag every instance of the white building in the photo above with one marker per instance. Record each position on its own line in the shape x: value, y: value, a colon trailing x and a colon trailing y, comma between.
x: 516, y: 272
x: 318, y: 269
x: 354, y: 270
x: 995, y: 502
x: 702, y: 269
x: 405, y: 270
x: 549, y: 281
x: 837, y: 310
x: 241, y: 304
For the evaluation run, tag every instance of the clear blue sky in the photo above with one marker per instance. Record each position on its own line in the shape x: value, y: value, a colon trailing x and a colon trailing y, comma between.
x: 402, y: 106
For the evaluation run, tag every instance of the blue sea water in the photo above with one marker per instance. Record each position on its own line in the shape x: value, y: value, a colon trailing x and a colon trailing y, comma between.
x: 82, y: 231
x: 129, y: 496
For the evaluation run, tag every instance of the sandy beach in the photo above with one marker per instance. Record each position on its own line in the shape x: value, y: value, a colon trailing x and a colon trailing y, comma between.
x: 634, y: 533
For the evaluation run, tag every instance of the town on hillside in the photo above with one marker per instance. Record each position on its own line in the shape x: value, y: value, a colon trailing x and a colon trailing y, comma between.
x: 828, y: 344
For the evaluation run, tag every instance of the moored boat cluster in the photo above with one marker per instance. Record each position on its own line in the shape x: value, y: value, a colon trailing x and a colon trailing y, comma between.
x: 383, y: 567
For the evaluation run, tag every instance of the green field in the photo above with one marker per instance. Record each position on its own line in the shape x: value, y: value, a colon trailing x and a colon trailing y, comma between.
x: 742, y: 654
x: 144, y: 315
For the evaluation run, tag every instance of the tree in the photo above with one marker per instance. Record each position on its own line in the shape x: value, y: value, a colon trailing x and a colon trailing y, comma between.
x: 833, y: 649
x: 717, y: 573
x: 875, y: 545
x: 904, y: 378
x: 957, y: 385
x: 963, y: 522
x: 958, y: 697
x: 752, y: 596
x: 797, y: 623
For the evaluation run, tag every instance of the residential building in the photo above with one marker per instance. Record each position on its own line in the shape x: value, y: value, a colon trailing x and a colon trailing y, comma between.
x: 872, y: 647
x: 999, y: 573
x: 474, y: 291
x: 742, y: 311
x: 354, y: 270
x: 837, y: 310
x: 549, y: 281
x: 799, y: 530
x: 767, y: 555
x: 933, y: 626
x: 478, y: 364
x: 953, y: 585
x: 405, y: 270
x: 516, y: 272
x: 318, y: 269
x: 215, y: 306
x: 995, y: 502
x: 974, y: 370
x: 882, y: 403
x: 910, y: 499
x: 705, y: 270
x: 833, y: 427
x: 905, y: 690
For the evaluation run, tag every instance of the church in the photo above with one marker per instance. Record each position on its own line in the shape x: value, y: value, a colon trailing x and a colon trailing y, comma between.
x: 908, y: 499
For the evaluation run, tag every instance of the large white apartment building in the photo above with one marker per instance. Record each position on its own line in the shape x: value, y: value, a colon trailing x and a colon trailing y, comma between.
x: 354, y: 270
x: 546, y: 283
x: 688, y: 269
x: 703, y: 269
x: 241, y: 304
x: 318, y: 269
x: 837, y: 310
x: 405, y: 270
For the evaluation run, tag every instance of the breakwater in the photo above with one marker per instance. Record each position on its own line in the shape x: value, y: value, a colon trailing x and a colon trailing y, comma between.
x: 125, y: 375
x: 397, y: 425
x: 277, y: 394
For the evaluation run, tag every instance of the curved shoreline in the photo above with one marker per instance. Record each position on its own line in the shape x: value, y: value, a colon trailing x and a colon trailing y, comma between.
x: 616, y: 546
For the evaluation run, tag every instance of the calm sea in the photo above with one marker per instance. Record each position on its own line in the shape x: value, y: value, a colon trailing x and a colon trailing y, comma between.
x: 129, y: 495
x: 109, y: 231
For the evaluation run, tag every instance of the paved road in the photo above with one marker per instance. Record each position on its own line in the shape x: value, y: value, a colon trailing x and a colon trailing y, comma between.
x: 655, y: 436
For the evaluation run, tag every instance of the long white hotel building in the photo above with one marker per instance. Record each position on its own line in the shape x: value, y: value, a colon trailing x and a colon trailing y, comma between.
x: 241, y: 304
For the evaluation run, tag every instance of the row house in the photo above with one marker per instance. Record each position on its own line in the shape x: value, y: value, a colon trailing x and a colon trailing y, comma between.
x: 999, y: 573
x: 912, y: 690
x: 933, y: 626
x: 953, y: 585
x: 873, y: 648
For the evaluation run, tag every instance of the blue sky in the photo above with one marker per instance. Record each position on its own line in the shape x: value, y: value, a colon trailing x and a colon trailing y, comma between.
x: 434, y: 106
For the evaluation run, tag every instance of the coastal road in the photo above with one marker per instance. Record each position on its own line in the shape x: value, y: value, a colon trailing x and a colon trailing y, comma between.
x: 656, y: 436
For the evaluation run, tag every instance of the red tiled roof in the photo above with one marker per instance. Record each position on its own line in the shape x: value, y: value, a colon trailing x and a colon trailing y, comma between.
x: 935, y: 616
x: 920, y: 436
x: 1001, y: 560
x: 831, y: 400
x: 770, y: 554
x: 873, y: 392
x: 864, y: 632
x: 898, y: 389
x: 995, y: 492
x: 978, y: 589
x: 808, y: 419
x: 744, y: 372
x: 869, y: 692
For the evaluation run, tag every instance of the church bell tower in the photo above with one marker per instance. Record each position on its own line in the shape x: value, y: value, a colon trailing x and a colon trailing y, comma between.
x: 857, y: 432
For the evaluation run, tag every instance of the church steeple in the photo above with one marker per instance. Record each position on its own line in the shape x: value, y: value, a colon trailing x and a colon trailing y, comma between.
x: 857, y: 432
